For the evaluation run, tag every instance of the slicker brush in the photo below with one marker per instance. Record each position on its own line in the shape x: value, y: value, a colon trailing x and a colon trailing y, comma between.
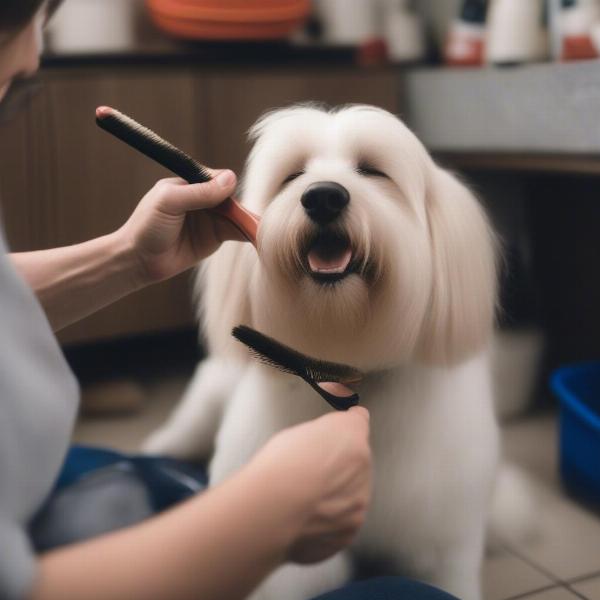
x: 330, y: 380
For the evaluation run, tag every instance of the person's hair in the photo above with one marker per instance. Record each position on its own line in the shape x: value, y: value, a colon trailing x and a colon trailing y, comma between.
x: 15, y: 14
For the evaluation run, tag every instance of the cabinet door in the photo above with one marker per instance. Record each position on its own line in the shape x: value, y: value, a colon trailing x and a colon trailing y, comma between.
x: 27, y: 179
x: 89, y: 182
x: 233, y: 101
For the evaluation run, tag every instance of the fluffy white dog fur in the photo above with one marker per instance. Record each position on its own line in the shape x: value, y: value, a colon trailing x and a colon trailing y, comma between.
x: 416, y: 315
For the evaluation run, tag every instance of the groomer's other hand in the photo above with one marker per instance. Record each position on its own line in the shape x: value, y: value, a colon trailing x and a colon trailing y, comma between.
x: 170, y: 230
x: 322, y: 471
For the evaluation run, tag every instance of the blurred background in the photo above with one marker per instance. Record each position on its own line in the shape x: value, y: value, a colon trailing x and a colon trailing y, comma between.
x: 505, y: 92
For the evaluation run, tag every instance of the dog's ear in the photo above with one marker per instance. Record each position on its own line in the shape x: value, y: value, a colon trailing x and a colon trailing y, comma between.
x: 461, y: 311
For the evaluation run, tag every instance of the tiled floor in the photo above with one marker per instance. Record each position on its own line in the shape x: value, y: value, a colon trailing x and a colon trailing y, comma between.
x: 561, y: 563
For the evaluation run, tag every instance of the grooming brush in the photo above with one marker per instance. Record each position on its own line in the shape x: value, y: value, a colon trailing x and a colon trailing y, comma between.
x: 153, y: 146
x: 328, y: 379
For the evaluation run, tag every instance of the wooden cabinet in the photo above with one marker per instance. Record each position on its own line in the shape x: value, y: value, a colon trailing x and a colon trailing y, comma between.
x: 234, y: 101
x: 62, y: 180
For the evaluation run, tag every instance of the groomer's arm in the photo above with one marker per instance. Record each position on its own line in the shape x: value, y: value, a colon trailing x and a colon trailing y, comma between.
x: 302, y: 498
x: 166, y: 234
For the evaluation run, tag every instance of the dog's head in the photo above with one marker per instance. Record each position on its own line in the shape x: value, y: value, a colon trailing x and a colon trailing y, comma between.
x: 368, y: 252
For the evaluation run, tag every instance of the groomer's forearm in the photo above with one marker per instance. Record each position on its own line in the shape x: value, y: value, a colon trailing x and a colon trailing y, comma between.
x: 216, y: 546
x: 75, y: 281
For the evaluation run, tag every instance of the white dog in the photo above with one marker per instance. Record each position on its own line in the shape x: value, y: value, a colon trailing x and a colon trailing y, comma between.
x: 371, y: 255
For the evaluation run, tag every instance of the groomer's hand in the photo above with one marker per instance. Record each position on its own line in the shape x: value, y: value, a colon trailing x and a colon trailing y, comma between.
x: 170, y: 230
x: 322, y: 471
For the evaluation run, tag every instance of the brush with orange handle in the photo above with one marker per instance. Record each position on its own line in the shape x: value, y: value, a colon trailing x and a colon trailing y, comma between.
x: 155, y: 147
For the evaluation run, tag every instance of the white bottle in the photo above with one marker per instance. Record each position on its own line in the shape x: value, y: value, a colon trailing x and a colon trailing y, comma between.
x: 348, y: 22
x: 516, y: 32
x: 402, y: 31
x: 577, y: 30
x: 465, y: 40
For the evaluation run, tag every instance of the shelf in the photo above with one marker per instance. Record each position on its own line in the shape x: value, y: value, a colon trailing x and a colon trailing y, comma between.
x: 538, y: 114
x: 525, y: 163
x: 216, y: 55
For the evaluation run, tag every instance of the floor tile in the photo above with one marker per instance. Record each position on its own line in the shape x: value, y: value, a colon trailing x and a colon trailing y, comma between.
x: 568, y: 542
x: 505, y: 576
x: 590, y: 588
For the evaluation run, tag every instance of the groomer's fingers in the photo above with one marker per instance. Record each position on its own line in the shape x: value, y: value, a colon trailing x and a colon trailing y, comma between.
x: 361, y: 412
x: 355, y: 420
x: 177, y: 197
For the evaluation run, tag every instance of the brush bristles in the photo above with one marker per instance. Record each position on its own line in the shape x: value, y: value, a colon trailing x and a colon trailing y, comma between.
x: 152, y: 145
x: 284, y: 358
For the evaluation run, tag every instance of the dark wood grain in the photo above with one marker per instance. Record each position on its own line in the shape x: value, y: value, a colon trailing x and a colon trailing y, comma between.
x: 235, y: 100
x: 64, y: 181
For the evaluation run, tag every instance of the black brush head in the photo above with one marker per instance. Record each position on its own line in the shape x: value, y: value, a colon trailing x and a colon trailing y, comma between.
x: 151, y: 144
x: 313, y: 371
x: 286, y: 359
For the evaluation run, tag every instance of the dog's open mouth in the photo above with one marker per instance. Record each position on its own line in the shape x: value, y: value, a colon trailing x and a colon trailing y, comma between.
x: 329, y: 257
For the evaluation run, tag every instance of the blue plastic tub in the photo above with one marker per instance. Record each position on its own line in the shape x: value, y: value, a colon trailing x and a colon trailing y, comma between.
x: 100, y: 490
x: 578, y: 389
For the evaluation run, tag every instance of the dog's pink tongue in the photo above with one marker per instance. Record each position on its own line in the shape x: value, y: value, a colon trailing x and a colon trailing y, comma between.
x: 335, y: 263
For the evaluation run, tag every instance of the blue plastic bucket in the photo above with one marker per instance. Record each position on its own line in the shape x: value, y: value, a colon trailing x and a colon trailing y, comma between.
x: 578, y: 389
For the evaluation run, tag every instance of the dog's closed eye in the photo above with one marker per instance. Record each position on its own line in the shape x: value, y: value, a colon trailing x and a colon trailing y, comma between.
x: 291, y: 177
x: 367, y: 170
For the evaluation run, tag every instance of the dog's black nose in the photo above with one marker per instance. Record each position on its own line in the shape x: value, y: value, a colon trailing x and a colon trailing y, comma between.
x: 324, y: 201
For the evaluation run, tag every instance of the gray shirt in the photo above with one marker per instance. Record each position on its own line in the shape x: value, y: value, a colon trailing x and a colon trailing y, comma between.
x: 38, y: 404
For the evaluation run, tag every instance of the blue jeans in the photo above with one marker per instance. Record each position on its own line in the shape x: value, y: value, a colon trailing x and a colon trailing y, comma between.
x: 101, y: 490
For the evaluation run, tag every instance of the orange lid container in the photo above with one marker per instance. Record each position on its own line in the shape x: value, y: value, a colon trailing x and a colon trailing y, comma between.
x: 229, y: 19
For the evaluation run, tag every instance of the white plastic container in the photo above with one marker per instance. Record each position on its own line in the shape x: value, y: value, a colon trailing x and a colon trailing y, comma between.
x: 85, y: 26
x: 349, y: 22
x: 403, y: 32
x: 515, y: 33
